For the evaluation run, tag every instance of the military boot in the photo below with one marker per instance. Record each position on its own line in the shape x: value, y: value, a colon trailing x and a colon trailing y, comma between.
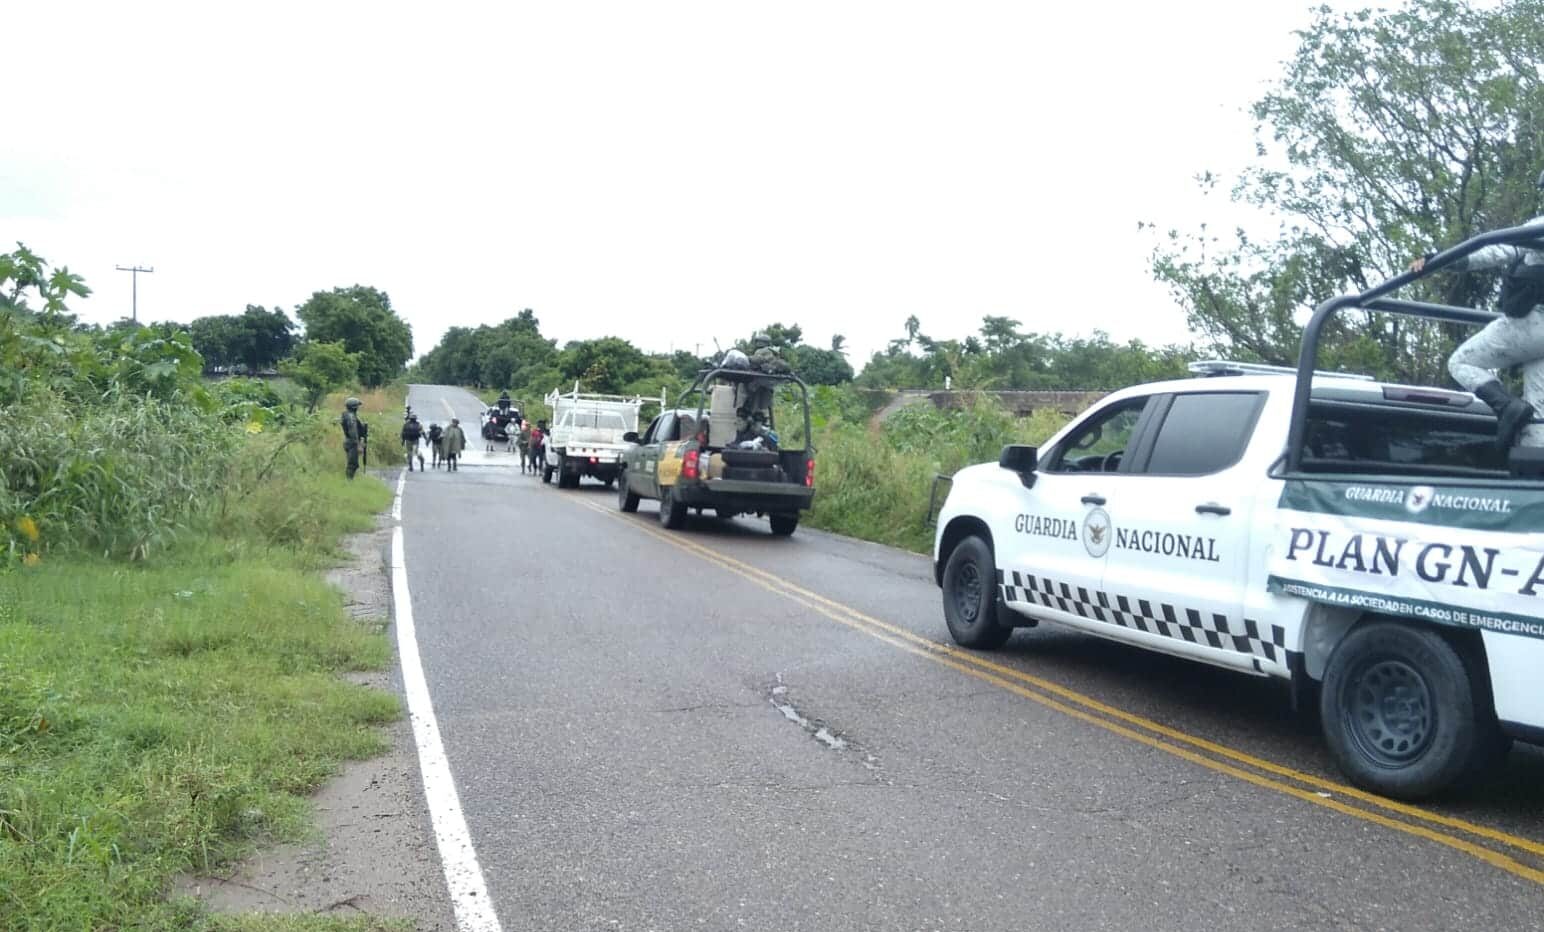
x: 1512, y: 414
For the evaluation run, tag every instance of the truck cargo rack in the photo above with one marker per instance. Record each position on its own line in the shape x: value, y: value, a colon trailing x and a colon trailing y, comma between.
x: 1377, y: 299
x: 707, y: 376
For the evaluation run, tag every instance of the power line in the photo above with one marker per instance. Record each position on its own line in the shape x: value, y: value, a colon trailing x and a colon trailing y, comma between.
x: 134, y: 308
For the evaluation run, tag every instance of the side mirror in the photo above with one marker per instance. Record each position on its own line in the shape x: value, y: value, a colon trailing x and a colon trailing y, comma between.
x: 630, y: 437
x: 1019, y: 458
x: 1022, y: 459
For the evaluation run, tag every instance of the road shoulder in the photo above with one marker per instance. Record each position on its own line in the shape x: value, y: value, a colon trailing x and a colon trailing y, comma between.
x: 374, y: 851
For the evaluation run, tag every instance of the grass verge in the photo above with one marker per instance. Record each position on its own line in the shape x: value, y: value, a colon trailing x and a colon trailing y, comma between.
x: 874, y: 483
x: 167, y: 715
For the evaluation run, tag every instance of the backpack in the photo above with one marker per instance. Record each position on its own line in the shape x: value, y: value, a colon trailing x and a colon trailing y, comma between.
x: 434, y: 433
x: 412, y: 431
x: 1522, y: 289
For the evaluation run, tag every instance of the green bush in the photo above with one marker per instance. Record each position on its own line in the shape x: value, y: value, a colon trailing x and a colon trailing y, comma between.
x: 875, y: 483
x: 117, y: 479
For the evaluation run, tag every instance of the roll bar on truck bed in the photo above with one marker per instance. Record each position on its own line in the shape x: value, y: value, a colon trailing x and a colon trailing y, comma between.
x: 1377, y: 299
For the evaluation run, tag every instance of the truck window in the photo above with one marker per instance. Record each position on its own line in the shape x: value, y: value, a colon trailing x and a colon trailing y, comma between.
x: 648, y: 435
x: 1203, y: 433
x: 1352, y: 438
x: 664, y: 428
x: 1100, y: 443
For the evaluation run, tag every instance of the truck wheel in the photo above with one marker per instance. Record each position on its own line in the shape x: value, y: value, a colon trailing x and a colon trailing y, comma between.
x: 784, y: 525
x: 1403, y: 714
x: 672, y: 514
x: 970, y: 597
x: 626, y: 499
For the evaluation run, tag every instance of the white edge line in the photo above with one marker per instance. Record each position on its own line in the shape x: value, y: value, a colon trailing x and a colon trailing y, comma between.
x: 463, y: 875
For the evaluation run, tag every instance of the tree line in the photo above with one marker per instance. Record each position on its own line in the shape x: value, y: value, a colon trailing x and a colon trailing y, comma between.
x: 352, y: 335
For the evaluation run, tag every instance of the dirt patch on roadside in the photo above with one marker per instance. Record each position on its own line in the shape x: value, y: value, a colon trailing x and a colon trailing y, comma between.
x: 375, y: 852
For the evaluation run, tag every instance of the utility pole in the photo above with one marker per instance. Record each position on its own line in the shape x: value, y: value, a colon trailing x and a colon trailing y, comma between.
x: 134, y: 312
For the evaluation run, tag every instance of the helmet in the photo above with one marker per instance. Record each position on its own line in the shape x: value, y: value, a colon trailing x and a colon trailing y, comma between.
x: 351, y: 404
x: 412, y: 417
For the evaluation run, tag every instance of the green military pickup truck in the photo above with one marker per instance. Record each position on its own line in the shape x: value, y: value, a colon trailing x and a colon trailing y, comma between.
x: 726, y: 454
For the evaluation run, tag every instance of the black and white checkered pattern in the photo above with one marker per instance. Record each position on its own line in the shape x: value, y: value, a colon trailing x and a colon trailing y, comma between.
x: 1159, y: 618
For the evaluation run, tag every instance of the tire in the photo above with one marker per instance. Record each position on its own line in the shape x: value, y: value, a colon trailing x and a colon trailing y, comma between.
x: 1403, y: 714
x: 566, y: 479
x: 672, y: 514
x: 627, y: 500
x: 970, y: 597
x: 784, y: 525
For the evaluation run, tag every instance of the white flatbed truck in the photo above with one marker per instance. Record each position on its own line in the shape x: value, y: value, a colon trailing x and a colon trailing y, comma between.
x: 585, y: 435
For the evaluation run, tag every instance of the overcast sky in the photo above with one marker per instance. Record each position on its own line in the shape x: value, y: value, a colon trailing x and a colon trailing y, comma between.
x: 665, y: 172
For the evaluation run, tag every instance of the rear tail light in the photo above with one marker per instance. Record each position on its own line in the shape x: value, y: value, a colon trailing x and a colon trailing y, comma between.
x: 809, y: 473
x: 689, y: 465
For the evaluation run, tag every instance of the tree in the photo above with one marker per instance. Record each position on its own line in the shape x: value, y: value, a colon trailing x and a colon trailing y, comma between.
x: 362, y: 320
x: 838, y: 344
x: 610, y: 365
x: 820, y: 366
x: 999, y: 333
x: 319, y: 368
x: 267, y: 337
x: 1390, y: 134
x: 217, y: 339
x: 256, y: 339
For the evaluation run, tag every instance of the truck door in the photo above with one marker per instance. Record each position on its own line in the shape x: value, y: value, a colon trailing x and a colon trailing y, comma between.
x: 652, y: 450
x: 1052, y: 549
x: 1179, y: 558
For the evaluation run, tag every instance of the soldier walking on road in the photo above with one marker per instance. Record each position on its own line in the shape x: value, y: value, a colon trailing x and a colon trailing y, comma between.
x: 454, y: 442
x: 538, y: 442
x: 412, y: 436
x: 523, y: 441
x: 436, y: 444
x: 351, y: 433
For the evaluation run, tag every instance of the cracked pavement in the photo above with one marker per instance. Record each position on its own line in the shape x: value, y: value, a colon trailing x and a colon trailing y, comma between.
x: 604, y: 702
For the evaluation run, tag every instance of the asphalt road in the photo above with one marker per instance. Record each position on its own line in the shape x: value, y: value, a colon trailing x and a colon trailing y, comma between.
x: 718, y: 729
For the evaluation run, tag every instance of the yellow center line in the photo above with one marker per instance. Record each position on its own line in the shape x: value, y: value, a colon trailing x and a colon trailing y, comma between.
x: 1003, y: 677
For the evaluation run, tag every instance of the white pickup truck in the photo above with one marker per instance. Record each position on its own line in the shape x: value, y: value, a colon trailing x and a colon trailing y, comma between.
x: 1394, y: 566
x: 585, y: 436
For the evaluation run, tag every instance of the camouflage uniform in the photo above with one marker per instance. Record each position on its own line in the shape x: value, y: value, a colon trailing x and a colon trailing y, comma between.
x: 350, y: 424
x: 1504, y: 343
